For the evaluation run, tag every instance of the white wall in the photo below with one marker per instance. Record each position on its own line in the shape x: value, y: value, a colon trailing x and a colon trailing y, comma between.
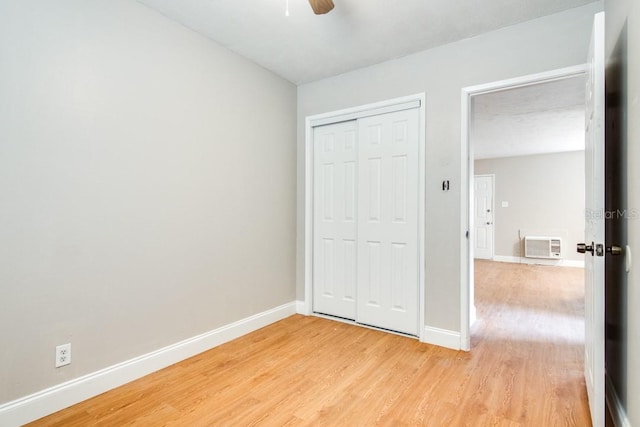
x: 545, y: 193
x: 618, y: 13
x: 543, y: 44
x: 147, y: 187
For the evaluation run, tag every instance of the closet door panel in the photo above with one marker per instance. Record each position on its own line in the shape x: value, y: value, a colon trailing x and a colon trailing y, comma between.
x: 387, y: 225
x: 335, y: 202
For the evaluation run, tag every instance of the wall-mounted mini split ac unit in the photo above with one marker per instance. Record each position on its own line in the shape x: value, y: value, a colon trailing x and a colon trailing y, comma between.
x: 542, y: 247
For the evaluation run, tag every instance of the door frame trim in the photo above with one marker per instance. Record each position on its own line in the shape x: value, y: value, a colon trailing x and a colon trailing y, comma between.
x: 353, y: 113
x: 467, y: 169
x: 493, y: 210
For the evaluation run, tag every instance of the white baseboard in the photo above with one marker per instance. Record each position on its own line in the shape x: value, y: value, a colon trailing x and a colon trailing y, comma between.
x: 572, y: 263
x: 441, y: 337
x: 300, y: 307
x: 540, y: 261
x: 48, y: 401
x: 616, y: 409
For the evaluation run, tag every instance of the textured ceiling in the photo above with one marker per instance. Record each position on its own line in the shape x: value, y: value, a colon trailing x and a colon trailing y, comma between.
x: 543, y: 118
x: 304, y: 47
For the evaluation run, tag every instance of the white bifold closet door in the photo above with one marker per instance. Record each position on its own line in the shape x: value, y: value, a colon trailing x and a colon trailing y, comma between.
x: 365, y: 262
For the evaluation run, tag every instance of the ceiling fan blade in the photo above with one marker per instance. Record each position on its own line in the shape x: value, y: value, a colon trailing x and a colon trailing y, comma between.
x: 320, y: 7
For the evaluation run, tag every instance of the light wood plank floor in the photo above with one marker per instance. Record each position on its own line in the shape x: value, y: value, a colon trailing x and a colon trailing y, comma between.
x: 525, y: 369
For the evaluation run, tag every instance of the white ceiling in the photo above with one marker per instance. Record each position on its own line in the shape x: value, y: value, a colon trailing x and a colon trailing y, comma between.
x: 543, y: 118
x: 304, y: 47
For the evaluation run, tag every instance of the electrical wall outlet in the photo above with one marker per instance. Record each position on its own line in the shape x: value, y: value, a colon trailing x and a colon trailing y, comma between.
x: 63, y: 355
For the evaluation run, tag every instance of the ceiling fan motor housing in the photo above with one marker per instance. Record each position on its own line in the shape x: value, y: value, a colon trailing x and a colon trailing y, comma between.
x: 320, y: 7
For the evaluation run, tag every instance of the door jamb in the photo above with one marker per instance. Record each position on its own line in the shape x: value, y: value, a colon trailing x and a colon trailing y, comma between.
x: 466, y: 218
x: 418, y: 100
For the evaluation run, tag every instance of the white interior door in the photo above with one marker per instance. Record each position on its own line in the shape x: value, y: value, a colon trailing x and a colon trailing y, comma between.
x: 388, y: 221
x: 335, y: 198
x: 483, y: 216
x: 594, y: 225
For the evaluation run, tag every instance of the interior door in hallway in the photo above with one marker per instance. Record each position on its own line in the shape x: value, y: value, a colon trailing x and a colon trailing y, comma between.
x: 335, y: 198
x: 594, y: 225
x: 483, y: 216
x: 388, y: 288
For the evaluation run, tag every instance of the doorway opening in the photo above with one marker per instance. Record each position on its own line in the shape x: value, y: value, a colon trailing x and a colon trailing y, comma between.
x: 492, y: 146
